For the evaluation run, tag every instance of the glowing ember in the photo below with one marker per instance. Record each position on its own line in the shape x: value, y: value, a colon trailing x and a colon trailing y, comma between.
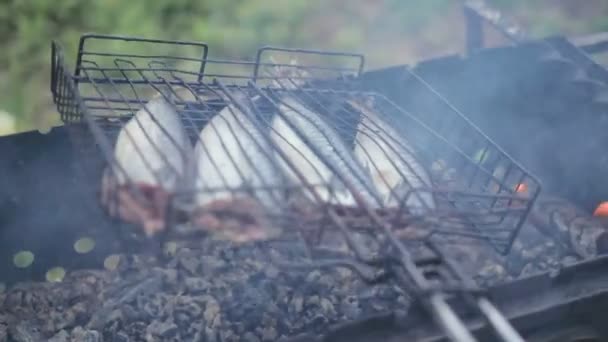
x: 601, y: 210
x: 521, y: 188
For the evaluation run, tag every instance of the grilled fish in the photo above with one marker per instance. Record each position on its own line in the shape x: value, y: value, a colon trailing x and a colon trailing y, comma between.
x: 390, y: 160
x: 232, y: 153
x: 311, y: 141
x: 153, y: 150
x: 308, y: 141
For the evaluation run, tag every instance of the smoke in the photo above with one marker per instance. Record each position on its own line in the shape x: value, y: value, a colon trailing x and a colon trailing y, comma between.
x: 533, y: 113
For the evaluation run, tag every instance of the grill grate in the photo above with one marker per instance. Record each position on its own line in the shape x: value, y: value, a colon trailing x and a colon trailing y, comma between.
x: 284, y: 126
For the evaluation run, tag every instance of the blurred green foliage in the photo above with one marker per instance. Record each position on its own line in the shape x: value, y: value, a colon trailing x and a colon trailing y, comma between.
x: 388, y: 31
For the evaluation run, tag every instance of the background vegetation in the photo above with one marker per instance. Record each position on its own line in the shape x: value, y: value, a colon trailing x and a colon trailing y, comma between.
x: 387, y: 31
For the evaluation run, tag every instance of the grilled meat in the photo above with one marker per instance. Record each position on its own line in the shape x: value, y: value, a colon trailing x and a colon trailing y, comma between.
x: 150, y: 154
x: 235, y: 164
x: 320, y: 154
x: 315, y: 148
x: 391, y: 161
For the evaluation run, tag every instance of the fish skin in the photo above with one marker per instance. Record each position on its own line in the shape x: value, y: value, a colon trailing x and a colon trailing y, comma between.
x: 384, y: 152
x: 216, y: 169
x: 326, y: 143
x: 163, y: 176
x: 170, y: 170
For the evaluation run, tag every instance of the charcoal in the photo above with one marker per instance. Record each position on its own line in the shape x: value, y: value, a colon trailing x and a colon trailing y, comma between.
x: 120, y: 337
x: 250, y: 337
x: 3, y: 328
x: 217, y: 291
x: 166, y: 329
x: 211, y: 335
x: 196, y: 285
x: 83, y: 335
x: 189, y: 263
x: 26, y: 331
x: 61, y: 336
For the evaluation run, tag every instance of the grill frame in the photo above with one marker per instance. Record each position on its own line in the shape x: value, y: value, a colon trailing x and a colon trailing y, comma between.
x: 431, y: 279
x: 77, y: 115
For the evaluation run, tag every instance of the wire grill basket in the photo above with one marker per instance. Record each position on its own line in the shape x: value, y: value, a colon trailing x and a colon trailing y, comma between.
x: 474, y: 186
x: 275, y: 148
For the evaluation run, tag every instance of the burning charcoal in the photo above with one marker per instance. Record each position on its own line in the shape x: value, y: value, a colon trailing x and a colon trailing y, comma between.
x: 169, y: 276
x: 585, y: 233
x: 473, y: 257
x: 25, y: 331
x: 327, y: 307
x: 530, y: 257
x: 313, y: 276
x: 122, y: 295
x: 318, y: 321
x: 61, y: 336
x: 164, y: 329
x: 250, y: 337
x: 3, y: 328
x: 344, y: 273
x: 491, y: 273
x: 232, y: 290
x: 296, y: 305
x: 153, y: 307
x: 136, y: 330
x: 130, y: 313
x: 211, y: 335
x: 196, y: 285
x: 569, y: 260
x: 60, y: 320
x: 182, y: 320
x: 269, y: 334
x: 567, y: 225
x: 121, y: 337
x: 602, y: 243
x: 189, y: 263
x: 229, y: 336
x: 210, y: 263
x: 189, y: 306
x: 195, y: 333
x: 350, y: 307
x: 271, y: 272
x: 251, y: 302
x: 81, y: 335
x: 212, y: 313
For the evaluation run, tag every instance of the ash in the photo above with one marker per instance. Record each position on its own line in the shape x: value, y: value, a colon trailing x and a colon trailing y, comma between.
x: 217, y: 292
x: 212, y: 290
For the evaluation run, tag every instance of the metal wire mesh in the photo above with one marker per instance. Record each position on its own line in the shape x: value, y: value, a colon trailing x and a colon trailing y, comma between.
x: 292, y: 149
x: 443, y: 170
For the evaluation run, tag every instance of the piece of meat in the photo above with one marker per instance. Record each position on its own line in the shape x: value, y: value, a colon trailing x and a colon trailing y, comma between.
x: 142, y: 204
x: 238, y: 220
x: 151, y: 156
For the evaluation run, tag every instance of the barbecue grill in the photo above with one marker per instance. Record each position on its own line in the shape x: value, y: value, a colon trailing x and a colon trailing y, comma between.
x: 482, y: 199
x: 565, y: 91
x: 483, y: 195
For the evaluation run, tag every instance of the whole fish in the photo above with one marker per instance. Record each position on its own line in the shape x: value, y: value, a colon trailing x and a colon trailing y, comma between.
x: 233, y: 153
x: 151, y: 156
x: 390, y: 160
x: 316, y: 143
x: 307, y: 160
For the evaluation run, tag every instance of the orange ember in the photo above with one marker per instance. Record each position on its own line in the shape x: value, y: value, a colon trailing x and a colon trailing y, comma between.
x: 521, y: 188
x: 601, y: 210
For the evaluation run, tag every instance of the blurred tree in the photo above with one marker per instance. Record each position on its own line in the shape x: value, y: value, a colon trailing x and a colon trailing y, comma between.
x: 388, y: 31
